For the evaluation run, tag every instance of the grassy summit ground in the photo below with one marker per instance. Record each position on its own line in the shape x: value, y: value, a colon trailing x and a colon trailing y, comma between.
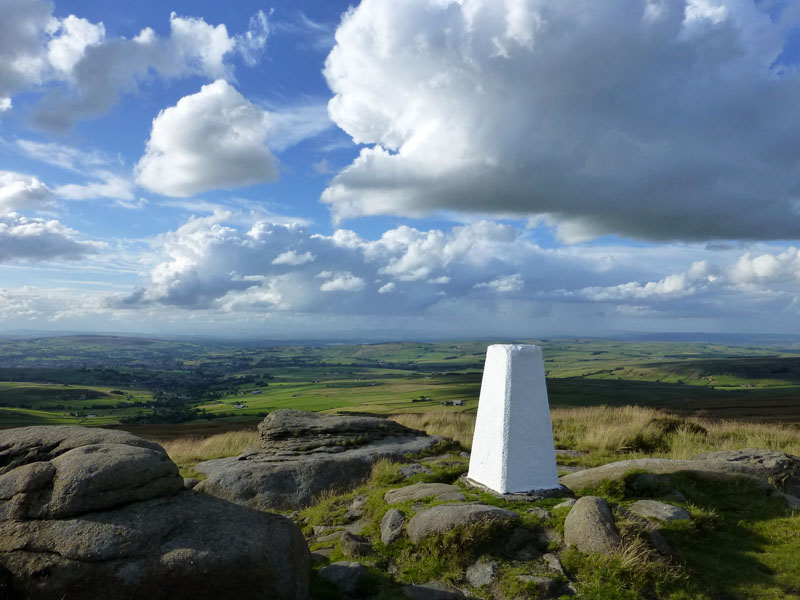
x: 740, y: 543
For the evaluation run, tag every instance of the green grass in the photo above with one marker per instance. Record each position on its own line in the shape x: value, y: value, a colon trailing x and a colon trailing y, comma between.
x: 751, y: 548
x: 741, y: 544
x: 742, y: 382
x: 27, y: 403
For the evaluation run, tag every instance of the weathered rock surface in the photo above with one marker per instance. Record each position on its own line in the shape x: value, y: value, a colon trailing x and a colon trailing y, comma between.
x: 344, y: 576
x: 63, y: 471
x: 304, y: 454
x: 356, y: 509
x: 354, y: 546
x: 99, y: 513
x: 540, y: 512
x: 553, y: 563
x: 296, y: 432
x: 420, y: 491
x: 445, y: 517
x: 186, y: 546
x: 780, y: 468
x: 590, y: 526
x: 482, y: 572
x: 714, y: 469
x: 392, y: 525
x: 414, y: 469
x: 660, y: 511
x: 433, y: 590
x: 27, y: 445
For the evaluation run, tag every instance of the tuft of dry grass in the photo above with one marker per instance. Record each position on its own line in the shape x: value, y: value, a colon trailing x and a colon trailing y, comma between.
x: 628, y: 429
x: 187, y: 452
x: 601, y: 431
x: 733, y: 435
x: 599, y: 427
x: 457, y: 426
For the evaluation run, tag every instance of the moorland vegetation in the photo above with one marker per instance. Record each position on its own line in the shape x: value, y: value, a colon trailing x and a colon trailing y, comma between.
x: 739, y: 542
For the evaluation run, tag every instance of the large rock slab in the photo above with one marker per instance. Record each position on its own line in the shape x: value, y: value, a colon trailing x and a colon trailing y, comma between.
x: 301, y: 455
x: 98, y: 513
x: 299, y: 433
x: 590, y: 526
x: 189, y: 546
x: 58, y: 472
x: 781, y: 469
x: 444, y: 517
x: 25, y: 445
x: 716, y: 469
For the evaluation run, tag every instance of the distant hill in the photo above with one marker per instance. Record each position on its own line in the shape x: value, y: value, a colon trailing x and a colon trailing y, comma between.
x: 756, y: 339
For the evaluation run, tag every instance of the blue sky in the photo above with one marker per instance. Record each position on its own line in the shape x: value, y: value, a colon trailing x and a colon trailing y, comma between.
x: 417, y: 169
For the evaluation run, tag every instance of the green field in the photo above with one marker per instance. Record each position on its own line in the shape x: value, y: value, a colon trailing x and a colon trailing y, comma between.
x: 103, y: 380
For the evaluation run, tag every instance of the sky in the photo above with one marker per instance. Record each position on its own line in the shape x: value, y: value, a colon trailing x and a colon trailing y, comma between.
x: 400, y: 170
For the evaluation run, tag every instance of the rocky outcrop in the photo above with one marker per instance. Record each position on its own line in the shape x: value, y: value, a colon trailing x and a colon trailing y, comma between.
x: 781, y: 469
x: 301, y: 455
x: 86, y: 513
x: 712, y: 469
x: 296, y: 432
x: 57, y: 472
x: 590, y: 526
x: 444, y: 517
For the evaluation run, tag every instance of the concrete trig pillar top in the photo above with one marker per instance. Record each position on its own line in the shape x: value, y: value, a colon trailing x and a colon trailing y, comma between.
x: 512, y: 448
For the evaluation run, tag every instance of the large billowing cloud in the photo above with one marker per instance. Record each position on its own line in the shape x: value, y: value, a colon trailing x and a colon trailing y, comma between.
x: 88, y: 71
x: 212, y: 139
x: 33, y: 239
x: 210, y: 265
x: 769, y: 274
x: 655, y: 119
x: 486, y: 271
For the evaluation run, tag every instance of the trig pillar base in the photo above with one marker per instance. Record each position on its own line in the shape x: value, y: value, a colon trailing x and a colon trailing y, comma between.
x: 512, y: 448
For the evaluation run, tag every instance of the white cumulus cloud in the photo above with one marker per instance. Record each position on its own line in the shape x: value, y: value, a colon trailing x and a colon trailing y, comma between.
x: 342, y: 282
x: 81, y: 72
x: 32, y: 239
x: 668, y: 120
x: 74, y: 35
x: 22, y: 192
x: 213, y: 139
x: 504, y: 284
x: 290, y: 257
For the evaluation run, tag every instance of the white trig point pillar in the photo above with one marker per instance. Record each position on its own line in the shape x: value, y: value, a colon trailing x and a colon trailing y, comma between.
x: 512, y: 448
